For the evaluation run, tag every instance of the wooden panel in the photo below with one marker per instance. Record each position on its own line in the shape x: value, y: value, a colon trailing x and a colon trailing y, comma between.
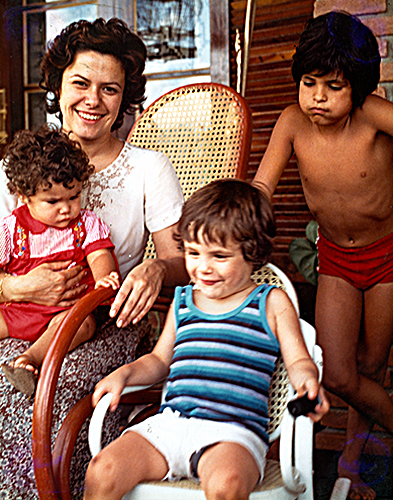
x: 270, y: 88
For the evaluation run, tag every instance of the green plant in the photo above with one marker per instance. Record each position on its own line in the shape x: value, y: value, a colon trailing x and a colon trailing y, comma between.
x: 304, y: 254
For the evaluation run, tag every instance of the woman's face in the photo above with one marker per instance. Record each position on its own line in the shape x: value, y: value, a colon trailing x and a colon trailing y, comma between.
x: 90, y: 95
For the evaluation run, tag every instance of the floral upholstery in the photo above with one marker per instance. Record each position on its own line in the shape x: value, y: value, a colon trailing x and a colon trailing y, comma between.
x: 82, y: 369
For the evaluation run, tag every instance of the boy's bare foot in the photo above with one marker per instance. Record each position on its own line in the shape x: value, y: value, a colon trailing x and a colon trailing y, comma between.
x: 22, y: 373
x: 359, y: 489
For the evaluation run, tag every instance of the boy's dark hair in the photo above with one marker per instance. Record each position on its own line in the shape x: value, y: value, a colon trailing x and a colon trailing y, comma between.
x: 230, y: 209
x: 339, y: 42
x: 37, y: 159
x: 106, y: 37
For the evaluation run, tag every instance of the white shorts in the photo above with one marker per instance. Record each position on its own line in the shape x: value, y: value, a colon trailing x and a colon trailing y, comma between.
x: 180, y: 440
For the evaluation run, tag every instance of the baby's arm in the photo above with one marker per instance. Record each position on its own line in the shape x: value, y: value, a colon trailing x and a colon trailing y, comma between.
x: 278, y: 152
x: 302, y: 371
x: 103, y: 268
x: 149, y: 369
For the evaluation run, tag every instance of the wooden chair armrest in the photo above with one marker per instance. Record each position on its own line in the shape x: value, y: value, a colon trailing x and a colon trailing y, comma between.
x: 46, y: 388
x: 71, y: 426
x: 65, y: 443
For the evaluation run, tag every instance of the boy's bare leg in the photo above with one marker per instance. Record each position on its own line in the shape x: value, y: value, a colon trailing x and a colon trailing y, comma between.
x: 124, y: 463
x: 32, y: 358
x: 353, y: 363
x: 373, y: 353
x: 349, y: 465
x: 227, y: 471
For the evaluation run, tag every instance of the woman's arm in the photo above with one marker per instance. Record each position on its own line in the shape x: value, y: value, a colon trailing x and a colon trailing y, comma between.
x: 52, y: 284
x: 143, y: 283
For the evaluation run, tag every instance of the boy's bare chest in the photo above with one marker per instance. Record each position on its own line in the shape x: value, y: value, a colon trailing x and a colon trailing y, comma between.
x: 344, y: 163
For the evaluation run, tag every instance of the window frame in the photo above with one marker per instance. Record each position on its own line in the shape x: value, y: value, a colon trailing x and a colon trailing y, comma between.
x: 219, y: 70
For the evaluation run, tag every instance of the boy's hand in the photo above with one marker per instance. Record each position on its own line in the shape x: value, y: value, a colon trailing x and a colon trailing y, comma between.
x: 111, y: 280
x: 322, y: 407
x: 113, y: 383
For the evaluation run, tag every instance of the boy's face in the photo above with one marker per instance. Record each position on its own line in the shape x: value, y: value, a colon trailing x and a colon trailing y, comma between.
x: 217, y: 271
x: 56, y: 206
x: 325, y: 100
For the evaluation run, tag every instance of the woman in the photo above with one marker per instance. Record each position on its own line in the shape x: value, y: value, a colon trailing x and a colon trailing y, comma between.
x: 93, y: 75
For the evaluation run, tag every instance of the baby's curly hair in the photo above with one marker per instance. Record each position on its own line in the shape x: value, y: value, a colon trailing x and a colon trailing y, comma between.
x: 111, y: 37
x: 35, y: 160
x: 339, y: 42
x: 230, y: 209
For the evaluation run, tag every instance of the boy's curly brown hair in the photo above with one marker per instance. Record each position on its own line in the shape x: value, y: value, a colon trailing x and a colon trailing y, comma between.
x: 37, y: 159
x: 111, y: 37
x: 230, y: 209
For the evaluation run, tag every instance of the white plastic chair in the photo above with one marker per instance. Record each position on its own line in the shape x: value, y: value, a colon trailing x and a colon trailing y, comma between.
x: 292, y: 477
x: 282, y: 480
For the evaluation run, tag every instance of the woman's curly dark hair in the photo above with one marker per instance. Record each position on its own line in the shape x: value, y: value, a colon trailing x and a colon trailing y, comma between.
x: 111, y: 37
x: 339, y: 42
x: 37, y: 159
x: 230, y: 209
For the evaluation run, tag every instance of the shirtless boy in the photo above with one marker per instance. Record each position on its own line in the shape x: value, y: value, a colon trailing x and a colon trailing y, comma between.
x: 343, y: 140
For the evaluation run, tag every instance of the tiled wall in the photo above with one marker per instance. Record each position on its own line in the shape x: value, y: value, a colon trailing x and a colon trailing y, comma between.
x: 378, y: 16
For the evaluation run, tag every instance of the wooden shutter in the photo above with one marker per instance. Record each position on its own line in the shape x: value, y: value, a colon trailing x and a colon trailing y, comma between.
x: 270, y: 88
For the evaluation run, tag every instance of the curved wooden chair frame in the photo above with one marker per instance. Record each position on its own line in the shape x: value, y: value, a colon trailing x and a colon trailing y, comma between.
x: 51, y: 469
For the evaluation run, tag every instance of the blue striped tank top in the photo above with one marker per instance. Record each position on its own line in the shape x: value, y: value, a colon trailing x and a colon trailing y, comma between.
x: 223, y: 364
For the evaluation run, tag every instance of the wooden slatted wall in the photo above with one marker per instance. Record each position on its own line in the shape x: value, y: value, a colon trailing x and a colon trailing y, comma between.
x: 269, y: 90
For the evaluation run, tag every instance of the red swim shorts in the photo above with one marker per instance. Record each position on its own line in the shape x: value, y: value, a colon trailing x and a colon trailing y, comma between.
x: 361, y: 267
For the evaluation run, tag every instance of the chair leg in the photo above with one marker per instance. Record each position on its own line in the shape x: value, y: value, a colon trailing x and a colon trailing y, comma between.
x: 65, y: 442
x: 341, y: 489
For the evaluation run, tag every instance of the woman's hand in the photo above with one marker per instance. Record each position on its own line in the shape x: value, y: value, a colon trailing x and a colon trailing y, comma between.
x: 138, y: 292
x: 52, y: 284
x: 143, y: 284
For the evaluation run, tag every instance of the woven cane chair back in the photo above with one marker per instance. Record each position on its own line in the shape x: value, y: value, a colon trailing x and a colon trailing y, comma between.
x: 279, y: 385
x: 205, y: 131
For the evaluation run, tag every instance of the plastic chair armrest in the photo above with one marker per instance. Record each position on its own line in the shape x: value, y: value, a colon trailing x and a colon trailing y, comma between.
x: 97, y: 419
x: 291, y: 476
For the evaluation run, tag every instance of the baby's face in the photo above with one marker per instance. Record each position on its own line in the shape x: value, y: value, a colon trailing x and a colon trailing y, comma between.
x: 56, y: 206
x: 325, y: 100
